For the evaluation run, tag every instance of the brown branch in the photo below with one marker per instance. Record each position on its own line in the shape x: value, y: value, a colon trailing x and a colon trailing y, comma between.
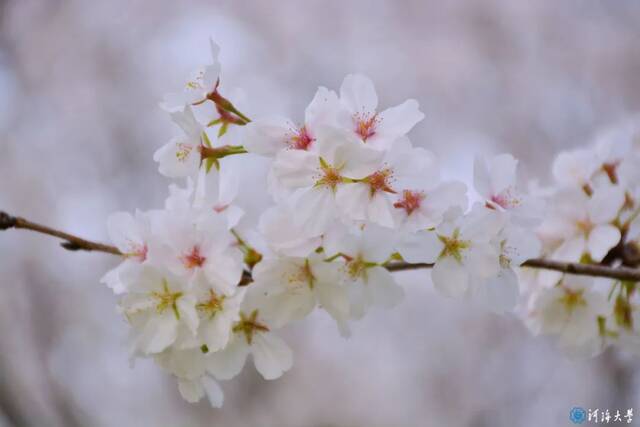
x: 74, y: 243
x: 594, y: 270
x: 71, y: 242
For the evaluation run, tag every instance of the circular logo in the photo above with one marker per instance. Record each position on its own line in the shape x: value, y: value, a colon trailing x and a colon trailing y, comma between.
x: 578, y: 415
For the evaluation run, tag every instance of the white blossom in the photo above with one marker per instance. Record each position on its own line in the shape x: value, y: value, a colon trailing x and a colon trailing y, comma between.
x: 202, y: 82
x: 252, y: 335
x: 495, y: 179
x: 360, y: 116
x: 157, y: 304
x: 314, y: 178
x: 461, y: 248
x: 270, y: 135
x: 570, y: 312
x: 132, y: 236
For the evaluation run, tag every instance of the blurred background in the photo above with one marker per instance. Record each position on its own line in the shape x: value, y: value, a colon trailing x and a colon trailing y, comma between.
x: 80, y: 82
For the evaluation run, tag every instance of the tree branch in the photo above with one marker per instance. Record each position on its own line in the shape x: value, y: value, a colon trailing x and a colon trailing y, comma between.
x: 75, y: 243
x: 71, y: 242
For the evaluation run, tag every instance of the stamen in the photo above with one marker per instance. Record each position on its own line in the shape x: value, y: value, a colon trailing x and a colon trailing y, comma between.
x: 300, y: 139
x: 183, y: 151
x: 366, y: 124
x: 410, y: 201
x: 193, y: 259
x: 380, y: 181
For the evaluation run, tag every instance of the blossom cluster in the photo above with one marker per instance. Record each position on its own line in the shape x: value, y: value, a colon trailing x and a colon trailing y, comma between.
x: 203, y: 285
x: 592, y: 218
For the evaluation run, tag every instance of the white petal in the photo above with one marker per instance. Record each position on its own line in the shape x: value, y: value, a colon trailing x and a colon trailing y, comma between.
x: 423, y: 246
x: 384, y: 290
x: 191, y: 390
x: 213, y: 390
x: 283, y: 235
x: 271, y: 355
x: 380, y: 210
x: 502, y: 169
x: 481, y: 179
x: 450, y: 278
x: 186, y: 306
x: 314, y: 210
x: 228, y: 363
x: 352, y: 200
x: 295, y: 168
x: 571, y: 250
x: 188, y: 123
x: 397, y: 121
x: 159, y: 332
x: 605, y: 204
x: 499, y: 294
x: 481, y: 260
x: 224, y: 273
x: 267, y: 136
x: 177, y: 159
x: 334, y: 300
x: 358, y: 94
x: 216, y: 332
x: 322, y: 110
x: 123, y: 231
x: 601, y: 240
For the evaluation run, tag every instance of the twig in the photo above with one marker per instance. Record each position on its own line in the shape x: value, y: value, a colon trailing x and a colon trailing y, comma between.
x: 71, y: 242
x: 74, y: 243
x: 594, y: 270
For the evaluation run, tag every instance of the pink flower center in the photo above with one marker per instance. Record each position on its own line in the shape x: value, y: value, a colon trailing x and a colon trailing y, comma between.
x: 193, y: 259
x: 138, y: 251
x: 410, y: 201
x: 380, y: 181
x: 505, y: 199
x: 301, y: 140
x: 366, y: 124
x: 220, y: 208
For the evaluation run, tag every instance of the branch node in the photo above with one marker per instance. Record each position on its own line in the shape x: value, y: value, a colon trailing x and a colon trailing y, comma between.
x: 7, y: 221
x: 70, y: 246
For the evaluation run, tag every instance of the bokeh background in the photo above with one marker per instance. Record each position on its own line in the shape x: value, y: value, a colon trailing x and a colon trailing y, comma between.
x: 79, y: 86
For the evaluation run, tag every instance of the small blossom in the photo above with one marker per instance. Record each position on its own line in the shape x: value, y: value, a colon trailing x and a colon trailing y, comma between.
x: 461, y: 248
x: 157, y: 304
x: 132, y: 236
x: 570, y: 311
x: 495, y: 180
x: 202, y: 82
x: 360, y: 116
x: 268, y: 136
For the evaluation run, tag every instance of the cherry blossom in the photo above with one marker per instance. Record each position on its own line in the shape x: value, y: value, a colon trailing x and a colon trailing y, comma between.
x: 495, y: 180
x: 181, y: 156
x: 270, y: 135
x: 132, y: 236
x: 197, y: 248
x: 570, y: 311
x: 252, y: 335
x: 364, y: 252
x: 157, y: 305
x: 293, y: 287
x: 374, y: 197
x: 314, y: 178
x: 360, y: 116
x: 202, y: 82
x: 583, y: 224
x: 190, y: 367
x: 461, y: 249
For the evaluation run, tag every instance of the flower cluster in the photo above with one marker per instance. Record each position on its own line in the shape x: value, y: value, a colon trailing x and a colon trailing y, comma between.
x: 204, y: 284
x: 592, y: 218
